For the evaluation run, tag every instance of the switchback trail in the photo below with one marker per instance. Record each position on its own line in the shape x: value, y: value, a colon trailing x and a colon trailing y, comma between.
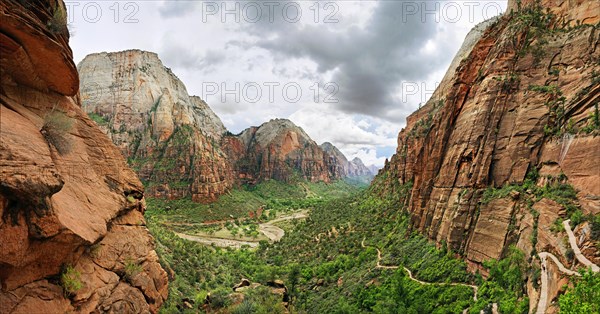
x: 543, y: 302
x: 410, y: 275
x: 573, y: 241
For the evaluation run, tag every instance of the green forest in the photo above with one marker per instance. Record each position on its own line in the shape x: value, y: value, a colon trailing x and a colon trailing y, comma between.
x: 329, y: 261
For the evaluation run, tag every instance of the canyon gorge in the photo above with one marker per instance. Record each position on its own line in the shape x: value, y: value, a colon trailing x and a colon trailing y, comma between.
x: 109, y: 167
x: 180, y: 147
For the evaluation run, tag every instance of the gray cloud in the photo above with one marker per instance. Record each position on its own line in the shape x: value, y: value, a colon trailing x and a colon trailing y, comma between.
x: 175, y: 55
x: 370, y: 63
x: 177, y: 8
x: 178, y: 55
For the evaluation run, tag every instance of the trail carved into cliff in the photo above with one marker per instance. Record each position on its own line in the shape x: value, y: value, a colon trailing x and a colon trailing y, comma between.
x: 543, y: 301
x: 410, y: 275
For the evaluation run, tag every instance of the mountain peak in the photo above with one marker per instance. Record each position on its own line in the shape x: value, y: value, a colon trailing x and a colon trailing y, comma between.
x: 147, y: 112
x: 269, y: 131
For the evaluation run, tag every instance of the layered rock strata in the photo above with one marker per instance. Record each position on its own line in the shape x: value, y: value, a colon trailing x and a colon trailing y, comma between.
x: 169, y: 137
x: 522, y: 101
x: 72, y: 233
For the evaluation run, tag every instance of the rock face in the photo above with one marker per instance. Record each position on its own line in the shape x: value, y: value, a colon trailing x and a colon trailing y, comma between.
x: 571, y: 12
x: 170, y: 138
x: 178, y: 145
x: 280, y: 150
x: 358, y: 169
x: 523, y: 99
x: 374, y: 169
x: 72, y: 226
x: 350, y: 169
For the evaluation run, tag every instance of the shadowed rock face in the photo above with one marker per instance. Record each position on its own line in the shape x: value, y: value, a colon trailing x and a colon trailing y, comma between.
x: 341, y: 165
x: 499, y: 116
x: 67, y: 197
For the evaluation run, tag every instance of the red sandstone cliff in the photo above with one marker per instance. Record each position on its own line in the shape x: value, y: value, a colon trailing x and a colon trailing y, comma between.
x: 280, y: 150
x: 523, y: 100
x: 72, y: 233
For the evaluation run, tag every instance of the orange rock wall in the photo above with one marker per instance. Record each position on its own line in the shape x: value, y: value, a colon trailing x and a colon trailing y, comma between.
x: 488, y: 129
x: 67, y: 197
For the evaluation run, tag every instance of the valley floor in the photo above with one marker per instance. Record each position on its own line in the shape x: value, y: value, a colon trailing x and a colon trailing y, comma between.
x: 268, y: 229
x: 343, y: 250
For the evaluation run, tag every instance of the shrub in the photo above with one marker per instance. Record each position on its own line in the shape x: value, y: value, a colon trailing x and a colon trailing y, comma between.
x: 100, y: 120
x: 56, y: 126
x: 219, y: 299
x: 70, y: 280
x: 593, y: 121
x: 57, y: 23
x: 583, y: 297
x: 595, y: 221
x: 246, y: 307
x: 570, y: 254
x: 576, y: 218
x: 132, y: 268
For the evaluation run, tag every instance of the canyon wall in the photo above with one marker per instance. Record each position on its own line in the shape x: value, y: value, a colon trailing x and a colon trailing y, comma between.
x: 72, y: 230
x: 352, y: 169
x: 178, y: 146
x: 170, y: 138
x: 522, y: 103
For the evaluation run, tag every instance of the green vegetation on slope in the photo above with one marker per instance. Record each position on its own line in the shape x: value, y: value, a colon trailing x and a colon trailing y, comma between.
x: 329, y: 262
x: 584, y: 297
x: 270, y: 195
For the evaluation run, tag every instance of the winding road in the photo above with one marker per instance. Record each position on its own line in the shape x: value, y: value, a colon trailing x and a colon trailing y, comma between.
x: 543, y: 302
x: 271, y: 231
x: 573, y: 241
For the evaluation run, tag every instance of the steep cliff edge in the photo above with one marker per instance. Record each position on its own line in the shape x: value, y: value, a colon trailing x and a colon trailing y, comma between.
x: 72, y: 231
x: 520, y: 108
x: 170, y: 138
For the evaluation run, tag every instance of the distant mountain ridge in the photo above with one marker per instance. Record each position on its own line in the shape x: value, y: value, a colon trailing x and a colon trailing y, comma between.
x: 179, y: 147
x: 351, y: 169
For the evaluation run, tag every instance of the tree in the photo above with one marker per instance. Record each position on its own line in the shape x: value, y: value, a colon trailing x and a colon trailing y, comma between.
x: 584, y: 297
x: 293, y: 278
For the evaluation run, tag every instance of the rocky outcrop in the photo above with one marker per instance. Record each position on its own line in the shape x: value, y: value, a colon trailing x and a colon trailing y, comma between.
x: 358, y: 169
x: 523, y: 100
x: 373, y: 169
x: 338, y: 162
x: 343, y: 167
x: 178, y: 145
x: 170, y: 138
x: 72, y: 234
x: 573, y: 12
x: 280, y: 150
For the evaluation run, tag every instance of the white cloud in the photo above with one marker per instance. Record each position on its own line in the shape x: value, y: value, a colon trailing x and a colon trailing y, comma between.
x: 350, y: 133
x: 351, y: 53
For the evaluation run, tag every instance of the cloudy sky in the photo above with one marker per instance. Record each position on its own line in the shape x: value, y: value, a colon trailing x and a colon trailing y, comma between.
x: 347, y: 72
